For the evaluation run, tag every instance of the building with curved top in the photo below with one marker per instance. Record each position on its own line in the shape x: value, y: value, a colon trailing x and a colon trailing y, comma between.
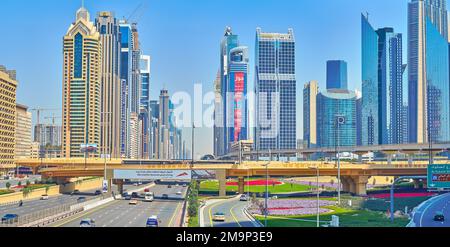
x: 336, y: 118
x: 82, y: 58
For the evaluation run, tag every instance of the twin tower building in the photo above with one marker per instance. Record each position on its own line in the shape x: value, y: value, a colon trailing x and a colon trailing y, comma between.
x: 103, y: 102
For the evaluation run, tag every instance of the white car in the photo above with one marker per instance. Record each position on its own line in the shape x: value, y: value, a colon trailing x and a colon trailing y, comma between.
x: 179, y: 193
x: 44, y: 197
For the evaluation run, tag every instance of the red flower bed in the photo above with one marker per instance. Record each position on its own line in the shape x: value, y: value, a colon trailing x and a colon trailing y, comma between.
x: 403, y: 195
x: 256, y: 183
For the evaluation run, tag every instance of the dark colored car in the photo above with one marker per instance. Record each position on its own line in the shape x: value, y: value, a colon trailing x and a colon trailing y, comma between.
x: 134, y: 195
x: 165, y: 196
x: 98, y: 192
x: 169, y: 186
x: 10, y: 218
x: 439, y: 216
x: 81, y: 199
x: 76, y: 192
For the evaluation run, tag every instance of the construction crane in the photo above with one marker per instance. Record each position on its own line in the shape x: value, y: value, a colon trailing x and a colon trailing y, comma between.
x: 39, y: 110
x: 53, y: 117
x: 138, y: 12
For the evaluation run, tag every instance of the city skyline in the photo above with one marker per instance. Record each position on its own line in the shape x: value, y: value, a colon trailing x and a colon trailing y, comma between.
x: 246, y: 33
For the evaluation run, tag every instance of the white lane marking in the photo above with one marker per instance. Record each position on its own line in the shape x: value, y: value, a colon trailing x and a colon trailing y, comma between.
x: 432, y: 203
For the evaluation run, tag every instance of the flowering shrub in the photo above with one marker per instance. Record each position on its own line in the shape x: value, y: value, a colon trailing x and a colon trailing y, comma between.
x: 256, y: 183
x: 292, y: 207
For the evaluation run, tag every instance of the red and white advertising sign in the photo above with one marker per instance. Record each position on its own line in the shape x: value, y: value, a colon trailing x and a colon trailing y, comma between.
x: 238, y: 96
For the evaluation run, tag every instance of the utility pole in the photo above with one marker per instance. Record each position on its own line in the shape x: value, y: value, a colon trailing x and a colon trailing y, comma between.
x: 193, y: 133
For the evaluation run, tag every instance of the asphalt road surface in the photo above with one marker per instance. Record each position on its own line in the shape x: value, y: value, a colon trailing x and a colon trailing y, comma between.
x: 424, y: 216
x: 36, y: 205
x: 234, y: 214
x: 120, y: 214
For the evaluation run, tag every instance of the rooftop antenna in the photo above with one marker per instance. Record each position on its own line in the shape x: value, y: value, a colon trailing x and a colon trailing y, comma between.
x: 82, y: 4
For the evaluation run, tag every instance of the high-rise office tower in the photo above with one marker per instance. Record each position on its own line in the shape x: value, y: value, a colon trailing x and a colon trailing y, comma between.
x: 336, y: 74
x: 382, y: 99
x: 218, y: 116
x: 163, y: 125
x: 390, y: 78
x: 134, y: 138
x: 275, y: 91
x: 47, y: 135
x: 108, y: 26
x: 134, y: 94
x: 126, y: 59
x: 144, y: 115
x: 236, y: 93
x: 229, y: 42
x: 154, y: 132
x: 310, y: 92
x: 23, y: 132
x: 81, y: 86
x: 370, y: 89
x: 428, y: 71
x: 336, y: 118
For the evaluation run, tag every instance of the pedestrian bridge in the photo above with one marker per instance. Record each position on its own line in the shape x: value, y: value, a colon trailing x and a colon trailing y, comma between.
x: 354, y: 176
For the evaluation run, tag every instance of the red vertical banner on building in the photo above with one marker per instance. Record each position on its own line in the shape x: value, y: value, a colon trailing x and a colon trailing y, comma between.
x: 238, y: 95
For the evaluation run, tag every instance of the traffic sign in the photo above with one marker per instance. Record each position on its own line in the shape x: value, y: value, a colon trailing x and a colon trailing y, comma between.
x: 438, y: 176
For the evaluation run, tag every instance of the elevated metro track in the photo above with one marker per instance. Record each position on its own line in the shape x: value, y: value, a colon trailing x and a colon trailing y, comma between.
x: 388, y: 149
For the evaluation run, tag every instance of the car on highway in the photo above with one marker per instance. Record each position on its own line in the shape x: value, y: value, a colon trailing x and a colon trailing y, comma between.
x: 177, y: 185
x: 169, y: 186
x: 243, y: 198
x: 97, y: 192
x: 219, y: 216
x: 439, y: 216
x: 75, y: 192
x: 165, y: 196
x: 133, y: 202
x: 147, y: 190
x: 10, y: 218
x: 87, y: 223
x: 153, y: 221
x: 136, y: 184
x: 134, y: 195
x: 81, y: 199
x: 44, y: 197
x: 184, y: 185
x: 179, y: 193
x: 149, y: 197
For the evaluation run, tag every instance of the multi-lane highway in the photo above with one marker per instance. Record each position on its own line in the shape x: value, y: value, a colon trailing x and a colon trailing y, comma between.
x: 120, y: 214
x: 233, y: 210
x: 36, y: 205
x: 424, y: 215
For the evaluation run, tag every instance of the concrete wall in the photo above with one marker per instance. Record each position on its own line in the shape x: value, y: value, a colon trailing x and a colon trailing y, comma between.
x: 82, y: 185
x: 53, y: 190
x: 13, y: 197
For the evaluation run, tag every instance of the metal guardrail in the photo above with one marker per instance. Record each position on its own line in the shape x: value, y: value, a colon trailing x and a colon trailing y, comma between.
x: 40, y: 218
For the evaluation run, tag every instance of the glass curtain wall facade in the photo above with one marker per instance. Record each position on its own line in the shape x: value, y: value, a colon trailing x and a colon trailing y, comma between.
x: 310, y: 92
x: 390, y: 77
x: 125, y: 81
x: 332, y: 105
x: 427, y: 64
x: 370, y: 91
x: 337, y: 74
x: 275, y: 91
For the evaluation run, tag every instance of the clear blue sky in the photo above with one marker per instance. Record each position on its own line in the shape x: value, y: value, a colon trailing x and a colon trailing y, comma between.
x: 183, y: 36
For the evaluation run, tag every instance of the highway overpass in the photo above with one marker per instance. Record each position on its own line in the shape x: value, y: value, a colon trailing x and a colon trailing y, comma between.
x: 354, y: 176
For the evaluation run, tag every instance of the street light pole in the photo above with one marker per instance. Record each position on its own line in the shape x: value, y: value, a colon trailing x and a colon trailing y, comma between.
x: 318, y: 193
x: 193, y: 132
x: 266, y: 211
x: 339, y: 120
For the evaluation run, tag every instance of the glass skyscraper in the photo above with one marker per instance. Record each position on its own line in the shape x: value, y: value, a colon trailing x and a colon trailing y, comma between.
x: 125, y: 81
x: 275, y: 91
x: 428, y: 71
x: 370, y: 89
x: 336, y: 74
x: 390, y: 81
x: 336, y: 118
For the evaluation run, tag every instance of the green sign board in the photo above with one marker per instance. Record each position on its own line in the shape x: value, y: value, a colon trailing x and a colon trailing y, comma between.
x: 438, y: 176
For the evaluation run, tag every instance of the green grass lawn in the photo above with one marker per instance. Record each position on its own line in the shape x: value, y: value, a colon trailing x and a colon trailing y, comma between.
x: 211, y: 186
x: 399, y: 203
x: 193, y: 221
x: 347, y: 218
x: 4, y: 192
